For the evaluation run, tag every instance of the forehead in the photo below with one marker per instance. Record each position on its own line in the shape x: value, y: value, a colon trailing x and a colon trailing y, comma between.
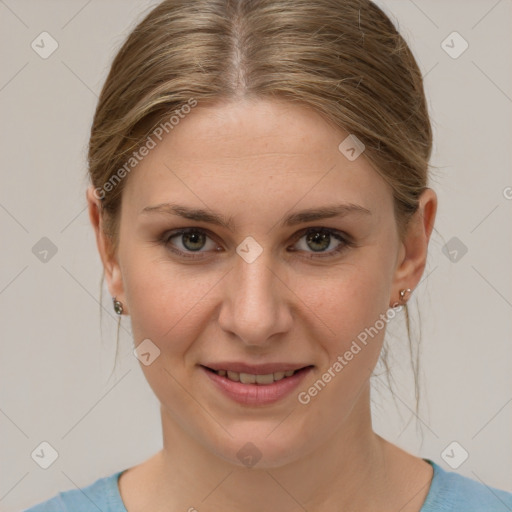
x: 271, y: 151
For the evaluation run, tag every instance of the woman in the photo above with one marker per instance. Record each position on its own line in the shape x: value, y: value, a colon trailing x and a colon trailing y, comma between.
x: 259, y: 195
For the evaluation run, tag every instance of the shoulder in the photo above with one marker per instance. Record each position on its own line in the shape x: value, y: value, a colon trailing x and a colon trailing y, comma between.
x: 451, y: 492
x: 102, y: 495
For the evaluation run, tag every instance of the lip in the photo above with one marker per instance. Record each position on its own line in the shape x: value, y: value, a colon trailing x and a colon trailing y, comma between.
x: 255, y: 369
x: 257, y: 394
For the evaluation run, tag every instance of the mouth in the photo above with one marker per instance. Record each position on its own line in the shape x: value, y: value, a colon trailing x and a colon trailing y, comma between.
x: 254, y: 378
x: 251, y: 385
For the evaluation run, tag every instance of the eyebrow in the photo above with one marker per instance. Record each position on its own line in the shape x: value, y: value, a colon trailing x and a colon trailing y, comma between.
x: 211, y: 217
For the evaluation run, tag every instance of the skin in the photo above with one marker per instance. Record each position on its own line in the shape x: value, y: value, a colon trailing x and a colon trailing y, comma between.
x: 257, y: 162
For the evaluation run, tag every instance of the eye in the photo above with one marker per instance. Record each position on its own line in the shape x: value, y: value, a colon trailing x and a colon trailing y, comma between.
x: 189, y: 241
x: 314, y: 241
x: 319, y: 240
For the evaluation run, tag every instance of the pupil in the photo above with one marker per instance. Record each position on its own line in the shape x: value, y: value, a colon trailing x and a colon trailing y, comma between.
x: 318, y: 237
x: 193, y: 238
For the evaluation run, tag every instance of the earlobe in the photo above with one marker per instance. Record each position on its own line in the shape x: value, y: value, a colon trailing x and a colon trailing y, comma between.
x: 108, y: 257
x: 114, y: 280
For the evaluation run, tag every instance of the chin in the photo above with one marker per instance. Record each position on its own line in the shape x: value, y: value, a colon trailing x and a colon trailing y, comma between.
x: 258, y: 450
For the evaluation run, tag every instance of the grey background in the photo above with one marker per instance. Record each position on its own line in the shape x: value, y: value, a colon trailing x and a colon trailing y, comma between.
x: 56, y: 363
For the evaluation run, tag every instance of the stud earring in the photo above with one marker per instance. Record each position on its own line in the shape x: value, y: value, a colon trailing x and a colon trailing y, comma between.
x: 118, y: 306
x: 402, y: 294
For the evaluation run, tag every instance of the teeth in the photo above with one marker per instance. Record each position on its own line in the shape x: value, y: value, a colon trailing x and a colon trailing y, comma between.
x: 233, y: 376
x: 265, y: 379
x: 249, y: 378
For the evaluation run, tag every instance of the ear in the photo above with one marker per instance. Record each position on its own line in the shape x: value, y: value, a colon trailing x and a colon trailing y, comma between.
x: 413, y: 252
x: 105, y: 246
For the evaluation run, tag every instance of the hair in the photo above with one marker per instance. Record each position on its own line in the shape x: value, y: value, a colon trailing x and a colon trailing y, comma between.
x: 343, y: 58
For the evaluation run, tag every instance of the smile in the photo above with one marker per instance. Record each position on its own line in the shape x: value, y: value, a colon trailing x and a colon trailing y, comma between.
x: 250, y: 378
x: 256, y: 388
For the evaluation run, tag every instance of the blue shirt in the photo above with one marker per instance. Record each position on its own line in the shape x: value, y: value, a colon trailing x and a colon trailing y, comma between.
x: 449, y: 492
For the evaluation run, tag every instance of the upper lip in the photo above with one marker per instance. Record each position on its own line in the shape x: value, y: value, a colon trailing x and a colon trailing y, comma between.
x: 255, y: 369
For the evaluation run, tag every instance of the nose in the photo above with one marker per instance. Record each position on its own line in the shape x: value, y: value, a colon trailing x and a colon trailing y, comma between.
x: 256, y: 302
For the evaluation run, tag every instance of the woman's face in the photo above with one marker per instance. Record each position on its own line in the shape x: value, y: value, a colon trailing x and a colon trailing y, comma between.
x: 269, y: 291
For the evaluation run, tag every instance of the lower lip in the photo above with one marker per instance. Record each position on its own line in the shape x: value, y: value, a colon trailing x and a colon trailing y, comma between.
x: 257, y: 394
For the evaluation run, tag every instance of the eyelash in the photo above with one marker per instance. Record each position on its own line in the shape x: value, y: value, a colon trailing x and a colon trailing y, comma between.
x: 346, y: 242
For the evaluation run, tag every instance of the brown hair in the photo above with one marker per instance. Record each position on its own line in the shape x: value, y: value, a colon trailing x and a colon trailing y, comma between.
x: 343, y: 58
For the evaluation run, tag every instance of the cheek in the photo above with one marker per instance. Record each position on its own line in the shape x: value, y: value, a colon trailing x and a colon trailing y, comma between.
x: 354, y: 307
x: 347, y: 302
x: 167, y: 304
